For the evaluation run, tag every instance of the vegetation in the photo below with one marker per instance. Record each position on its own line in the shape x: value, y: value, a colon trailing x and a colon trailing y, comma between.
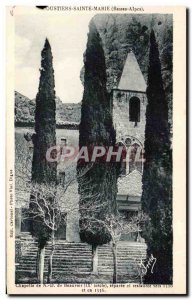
x: 96, y: 129
x: 115, y: 225
x: 157, y: 176
x: 43, y: 172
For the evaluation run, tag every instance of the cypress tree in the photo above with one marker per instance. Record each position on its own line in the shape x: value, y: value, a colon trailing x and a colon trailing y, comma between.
x: 43, y: 172
x: 157, y: 176
x: 99, y: 183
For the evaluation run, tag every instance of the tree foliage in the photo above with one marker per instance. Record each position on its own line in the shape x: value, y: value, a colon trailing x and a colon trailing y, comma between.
x: 96, y: 129
x: 157, y: 176
x: 44, y: 172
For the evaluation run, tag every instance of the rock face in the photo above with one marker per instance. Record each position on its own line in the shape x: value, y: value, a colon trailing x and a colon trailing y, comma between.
x: 25, y: 111
x: 120, y: 32
x: 67, y: 112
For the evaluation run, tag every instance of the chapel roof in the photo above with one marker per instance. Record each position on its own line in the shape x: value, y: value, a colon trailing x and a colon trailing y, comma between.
x: 132, y: 78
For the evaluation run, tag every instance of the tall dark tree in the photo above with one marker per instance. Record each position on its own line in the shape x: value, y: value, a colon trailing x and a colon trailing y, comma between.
x: 43, y: 171
x: 157, y: 176
x: 96, y: 129
x: 45, y: 122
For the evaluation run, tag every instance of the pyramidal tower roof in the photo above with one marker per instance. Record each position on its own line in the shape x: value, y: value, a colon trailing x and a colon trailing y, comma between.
x: 132, y: 78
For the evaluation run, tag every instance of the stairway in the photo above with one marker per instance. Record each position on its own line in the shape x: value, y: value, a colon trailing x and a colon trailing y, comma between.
x: 129, y: 256
x: 68, y: 258
x: 76, y: 258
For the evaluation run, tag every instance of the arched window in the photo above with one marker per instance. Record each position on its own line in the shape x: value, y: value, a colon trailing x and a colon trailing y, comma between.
x: 135, y: 158
x: 134, y: 110
x: 128, y: 142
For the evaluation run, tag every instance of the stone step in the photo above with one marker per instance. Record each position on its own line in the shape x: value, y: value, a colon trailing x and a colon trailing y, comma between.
x: 60, y: 270
x: 72, y: 253
x: 62, y: 247
x: 47, y: 253
x: 64, y: 251
x: 102, y: 259
x: 119, y: 263
x: 57, y: 261
x: 59, y: 257
x: 61, y: 266
x: 103, y: 256
x: 128, y: 267
x: 126, y: 249
x: 122, y: 255
x: 122, y: 258
x: 119, y: 274
x: 129, y: 272
x: 121, y: 251
x: 84, y: 256
x: 119, y: 266
x: 120, y: 271
x: 81, y: 261
x: 127, y: 246
x: 61, y: 250
x: 69, y: 260
x: 70, y: 245
x: 73, y: 258
x: 56, y: 272
x: 130, y: 275
x: 131, y: 268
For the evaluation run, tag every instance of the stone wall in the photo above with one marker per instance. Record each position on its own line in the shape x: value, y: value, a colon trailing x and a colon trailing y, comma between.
x: 131, y: 184
x: 125, y: 128
x: 72, y: 197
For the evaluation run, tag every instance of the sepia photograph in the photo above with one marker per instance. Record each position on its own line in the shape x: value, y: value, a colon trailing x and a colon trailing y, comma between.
x: 93, y: 142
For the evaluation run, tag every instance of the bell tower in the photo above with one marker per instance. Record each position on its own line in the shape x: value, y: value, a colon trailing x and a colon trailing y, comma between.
x: 129, y: 103
x: 129, y: 118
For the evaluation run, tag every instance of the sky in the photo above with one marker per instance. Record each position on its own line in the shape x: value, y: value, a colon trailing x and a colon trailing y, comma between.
x: 68, y: 38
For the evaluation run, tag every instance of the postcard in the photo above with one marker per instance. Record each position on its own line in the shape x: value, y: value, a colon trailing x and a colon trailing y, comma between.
x: 96, y: 150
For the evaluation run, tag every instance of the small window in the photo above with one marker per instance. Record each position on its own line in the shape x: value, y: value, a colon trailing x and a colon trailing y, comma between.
x: 134, y: 110
x: 63, y: 141
x: 61, y: 178
x: 118, y: 94
x: 63, y: 144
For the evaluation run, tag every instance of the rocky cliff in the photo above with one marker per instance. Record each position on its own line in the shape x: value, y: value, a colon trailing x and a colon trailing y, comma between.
x: 120, y: 32
x: 66, y: 113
